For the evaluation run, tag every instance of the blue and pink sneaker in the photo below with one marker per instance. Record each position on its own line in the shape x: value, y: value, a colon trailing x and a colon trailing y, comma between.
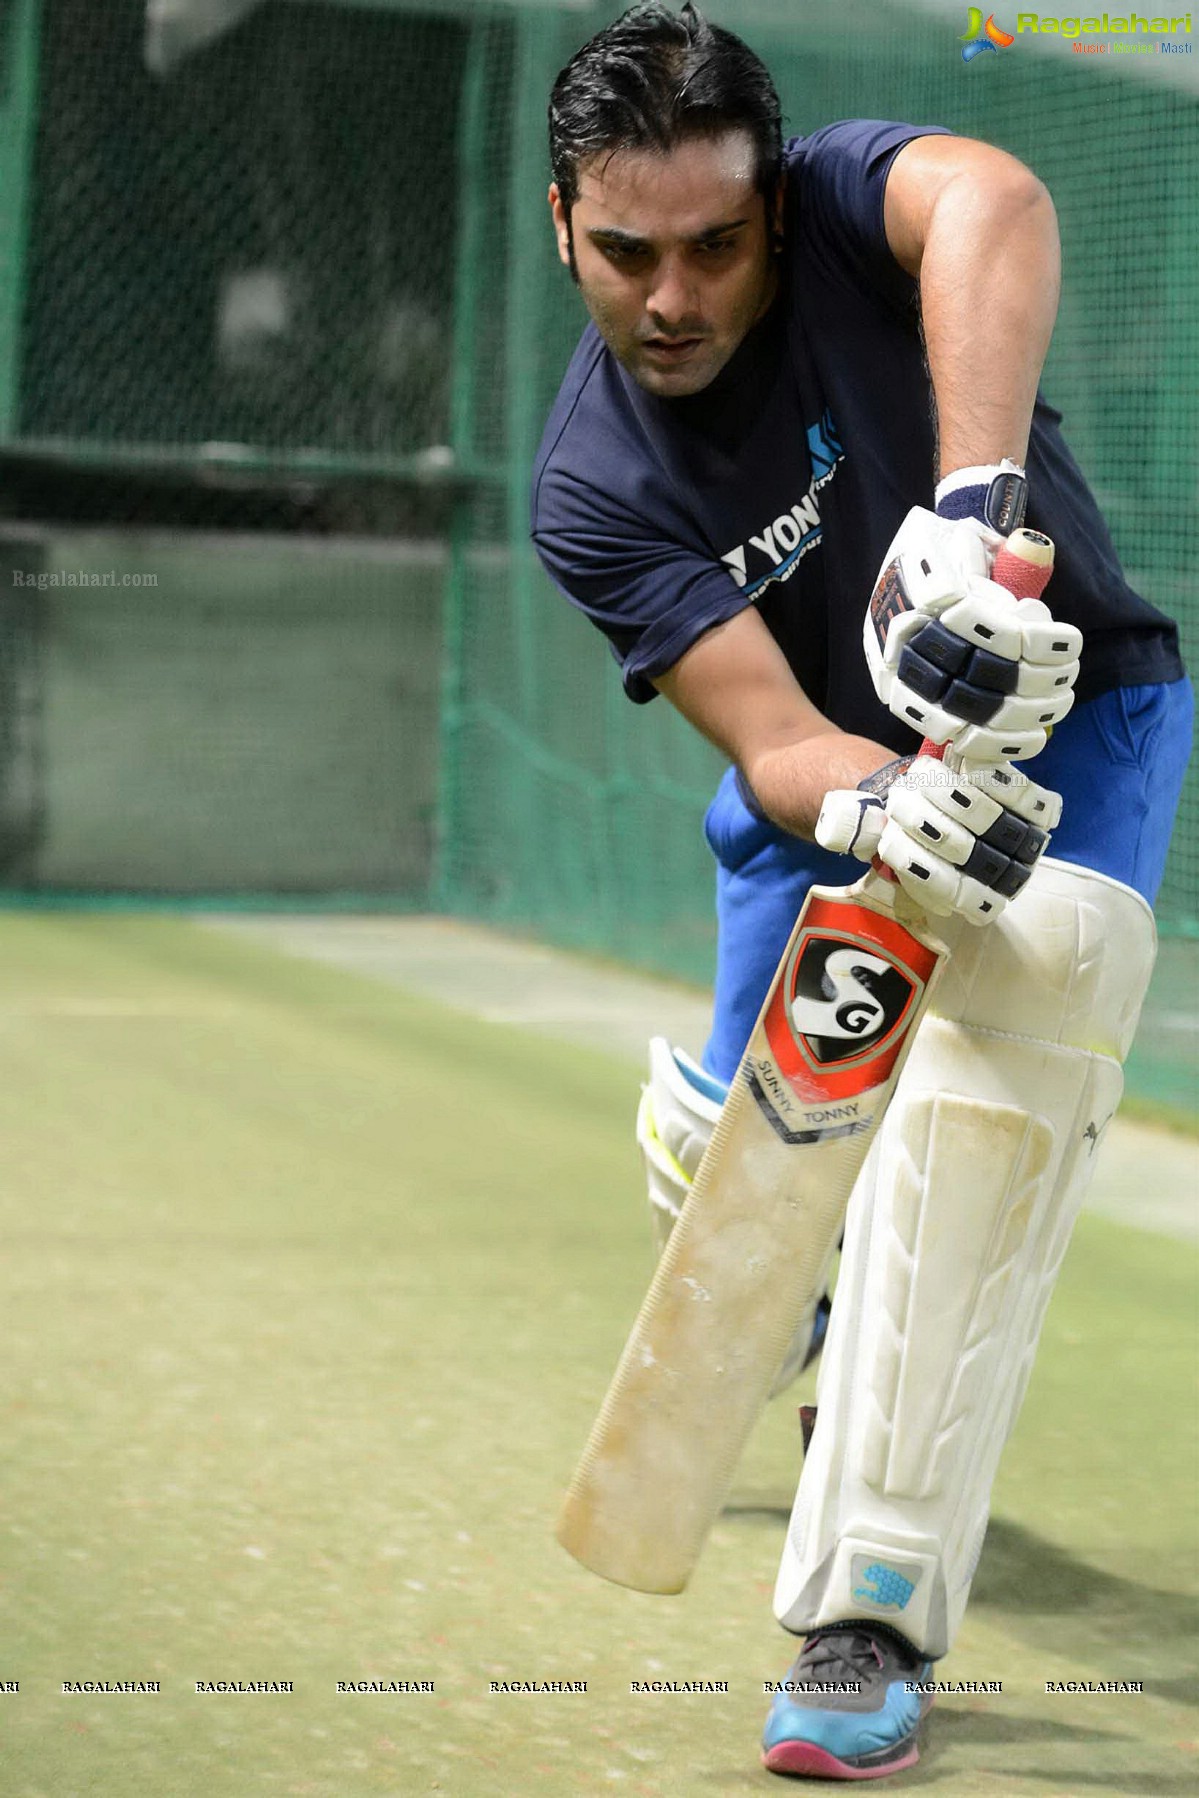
x: 848, y: 1709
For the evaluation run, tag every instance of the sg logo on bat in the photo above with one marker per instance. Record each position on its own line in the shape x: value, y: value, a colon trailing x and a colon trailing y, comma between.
x: 838, y: 1019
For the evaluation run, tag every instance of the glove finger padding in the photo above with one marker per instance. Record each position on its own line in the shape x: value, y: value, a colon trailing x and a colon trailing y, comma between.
x: 956, y: 656
x: 958, y: 840
x: 1006, y: 788
x: 851, y: 823
x: 938, y: 885
x: 965, y: 842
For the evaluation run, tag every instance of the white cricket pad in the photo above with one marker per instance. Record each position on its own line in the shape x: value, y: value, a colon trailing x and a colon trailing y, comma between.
x: 954, y: 1236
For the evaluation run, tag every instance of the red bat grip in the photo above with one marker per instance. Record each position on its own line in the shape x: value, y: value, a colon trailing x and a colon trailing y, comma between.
x: 1024, y: 564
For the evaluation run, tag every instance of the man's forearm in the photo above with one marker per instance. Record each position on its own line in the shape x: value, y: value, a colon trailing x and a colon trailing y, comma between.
x: 789, y: 782
x: 989, y: 285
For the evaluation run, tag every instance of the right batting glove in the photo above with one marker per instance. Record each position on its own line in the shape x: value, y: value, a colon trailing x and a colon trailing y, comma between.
x: 958, y: 842
x: 956, y: 656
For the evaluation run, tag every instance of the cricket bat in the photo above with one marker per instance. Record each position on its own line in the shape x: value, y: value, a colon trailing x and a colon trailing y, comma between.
x: 748, y: 1255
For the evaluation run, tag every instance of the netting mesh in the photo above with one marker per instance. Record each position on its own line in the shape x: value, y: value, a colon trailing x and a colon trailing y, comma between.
x: 240, y: 251
x: 197, y: 714
x: 302, y: 285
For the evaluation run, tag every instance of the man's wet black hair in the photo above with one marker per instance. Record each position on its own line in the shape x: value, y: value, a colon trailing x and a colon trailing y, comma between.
x: 655, y: 79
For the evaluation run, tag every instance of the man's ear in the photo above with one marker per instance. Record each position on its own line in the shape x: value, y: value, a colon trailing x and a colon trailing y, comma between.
x: 774, y: 213
x: 561, y: 223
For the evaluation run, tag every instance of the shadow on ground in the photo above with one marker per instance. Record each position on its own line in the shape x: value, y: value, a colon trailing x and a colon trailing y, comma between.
x: 1097, y: 1758
x: 1020, y: 1572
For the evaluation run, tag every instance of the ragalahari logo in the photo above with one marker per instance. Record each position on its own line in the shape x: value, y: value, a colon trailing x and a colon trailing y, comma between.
x: 979, y: 37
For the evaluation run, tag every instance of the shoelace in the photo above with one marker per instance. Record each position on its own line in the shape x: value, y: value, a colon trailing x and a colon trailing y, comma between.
x: 846, y: 1652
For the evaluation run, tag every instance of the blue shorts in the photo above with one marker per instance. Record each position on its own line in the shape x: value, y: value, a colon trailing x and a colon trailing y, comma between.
x: 1118, y: 762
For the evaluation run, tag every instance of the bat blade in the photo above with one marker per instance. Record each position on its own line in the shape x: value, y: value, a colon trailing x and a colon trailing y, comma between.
x: 745, y: 1261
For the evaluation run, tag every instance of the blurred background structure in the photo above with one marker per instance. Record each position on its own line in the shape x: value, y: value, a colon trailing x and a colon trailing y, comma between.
x: 280, y: 322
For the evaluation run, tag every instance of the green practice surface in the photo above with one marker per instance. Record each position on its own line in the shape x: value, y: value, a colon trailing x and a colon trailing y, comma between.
x: 310, y: 1290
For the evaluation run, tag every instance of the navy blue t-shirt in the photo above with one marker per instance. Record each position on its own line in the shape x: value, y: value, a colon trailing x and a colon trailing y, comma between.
x: 782, y: 483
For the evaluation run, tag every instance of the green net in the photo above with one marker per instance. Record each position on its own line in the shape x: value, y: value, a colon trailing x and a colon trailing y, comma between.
x: 280, y: 321
x: 245, y: 250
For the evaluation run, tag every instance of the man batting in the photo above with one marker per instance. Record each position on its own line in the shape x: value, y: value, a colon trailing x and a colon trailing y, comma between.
x: 801, y: 423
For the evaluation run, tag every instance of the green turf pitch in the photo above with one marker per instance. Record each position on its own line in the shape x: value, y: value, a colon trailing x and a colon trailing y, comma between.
x: 309, y: 1292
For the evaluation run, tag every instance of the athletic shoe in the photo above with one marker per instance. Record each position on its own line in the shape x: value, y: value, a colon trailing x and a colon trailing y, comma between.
x: 865, y: 1726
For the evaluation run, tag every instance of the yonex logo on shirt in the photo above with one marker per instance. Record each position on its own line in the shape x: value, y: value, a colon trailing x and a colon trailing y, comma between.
x: 782, y: 542
x: 824, y: 447
x: 787, y: 539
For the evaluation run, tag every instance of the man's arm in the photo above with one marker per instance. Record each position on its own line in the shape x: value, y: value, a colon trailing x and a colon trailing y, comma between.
x: 979, y: 233
x: 735, y: 686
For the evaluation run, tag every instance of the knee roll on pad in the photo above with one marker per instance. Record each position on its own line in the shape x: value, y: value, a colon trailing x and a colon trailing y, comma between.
x: 952, y: 1246
x: 1069, y: 967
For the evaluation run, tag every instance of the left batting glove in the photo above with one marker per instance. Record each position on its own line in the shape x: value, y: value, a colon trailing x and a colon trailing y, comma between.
x: 959, y: 842
x: 958, y: 657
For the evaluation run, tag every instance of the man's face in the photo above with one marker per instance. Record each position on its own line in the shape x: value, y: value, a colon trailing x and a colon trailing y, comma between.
x: 672, y: 253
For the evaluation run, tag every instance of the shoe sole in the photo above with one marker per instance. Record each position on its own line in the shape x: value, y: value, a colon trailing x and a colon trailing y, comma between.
x: 805, y: 1759
x: 817, y: 1763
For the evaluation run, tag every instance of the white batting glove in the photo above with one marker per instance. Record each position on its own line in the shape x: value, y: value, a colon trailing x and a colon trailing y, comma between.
x: 961, y: 841
x: 958, y: 657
